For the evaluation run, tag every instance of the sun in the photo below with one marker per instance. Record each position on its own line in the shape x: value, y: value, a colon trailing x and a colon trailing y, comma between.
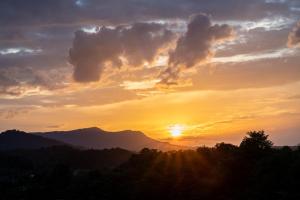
x: 176, y: 130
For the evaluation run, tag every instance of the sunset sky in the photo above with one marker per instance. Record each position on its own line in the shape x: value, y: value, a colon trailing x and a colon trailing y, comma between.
x: 214, y: 69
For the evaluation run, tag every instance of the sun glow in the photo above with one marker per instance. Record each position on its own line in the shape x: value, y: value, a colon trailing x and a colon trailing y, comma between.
x: 176, y: 130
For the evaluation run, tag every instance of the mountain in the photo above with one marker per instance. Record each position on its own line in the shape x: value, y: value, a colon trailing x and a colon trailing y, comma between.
x: 95, y: 138
x: 14, y: 139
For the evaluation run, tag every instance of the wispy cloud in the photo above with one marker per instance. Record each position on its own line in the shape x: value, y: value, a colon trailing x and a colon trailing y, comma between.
x: 19, y: 50
x: 279, y: 53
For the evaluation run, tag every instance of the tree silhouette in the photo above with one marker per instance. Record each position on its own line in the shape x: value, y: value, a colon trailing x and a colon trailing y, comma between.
x: 256, y: 143
x: 226, y: 148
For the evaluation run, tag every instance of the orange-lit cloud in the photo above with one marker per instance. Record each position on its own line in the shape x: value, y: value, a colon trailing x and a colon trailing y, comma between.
x: 294, y: 37
x: 137, y: 44
x: 194, y: 47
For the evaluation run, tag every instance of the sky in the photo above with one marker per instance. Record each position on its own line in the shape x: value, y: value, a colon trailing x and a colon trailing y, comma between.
x: 215, y: 68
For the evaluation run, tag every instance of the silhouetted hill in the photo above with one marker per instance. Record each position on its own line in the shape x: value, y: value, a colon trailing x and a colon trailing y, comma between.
x: 14, y: 139
x: 95, y: 138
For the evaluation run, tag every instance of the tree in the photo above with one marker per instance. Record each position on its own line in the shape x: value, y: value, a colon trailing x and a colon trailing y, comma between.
x: 256, y: 142
x: 226, y: 148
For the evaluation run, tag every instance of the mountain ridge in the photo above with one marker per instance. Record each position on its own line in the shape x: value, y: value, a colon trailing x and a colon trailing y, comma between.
x: 15, y: 139
x: 97, y: 138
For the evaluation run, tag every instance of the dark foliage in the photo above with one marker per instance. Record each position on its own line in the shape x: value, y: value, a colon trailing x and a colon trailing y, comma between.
x: 253, y: 171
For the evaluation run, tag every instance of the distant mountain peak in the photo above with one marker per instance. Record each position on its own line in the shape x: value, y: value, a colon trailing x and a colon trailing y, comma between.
x: 96, y: 138
x: 15, y: 139
x: 13, y: 132
x: 131, y: 132
x: 95, y: 128
x: 90, y: 129
x: 99, y: 130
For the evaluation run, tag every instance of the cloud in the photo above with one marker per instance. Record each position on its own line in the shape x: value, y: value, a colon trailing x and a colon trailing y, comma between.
x: 294, y: 97
x: 19, y: 50
x: 259, y: 55
x: 139, y: 85
x: 11, y: 36
x: 49, y: 26
x: 55, y: 126
x: 51, y: 12
x: 252, y: 74
x: 294, y: 37
x: 253, y: 41
x: 6, y: 85
x: 195, y: 46
x: 15, y: 81
x: 10, y: 113
x: 136, y: 44
x: 35, y: 12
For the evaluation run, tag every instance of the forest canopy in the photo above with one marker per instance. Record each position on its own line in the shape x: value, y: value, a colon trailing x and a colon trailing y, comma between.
x: 253, y: 170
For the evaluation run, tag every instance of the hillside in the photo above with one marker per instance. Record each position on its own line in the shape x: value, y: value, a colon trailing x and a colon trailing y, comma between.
x: 14, y: 139
x: 96, y: 138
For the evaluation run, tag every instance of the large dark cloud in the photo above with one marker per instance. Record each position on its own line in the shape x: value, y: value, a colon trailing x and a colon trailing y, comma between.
x: 194, y: 47
x: 294, y: 37
x: 138, y: 43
